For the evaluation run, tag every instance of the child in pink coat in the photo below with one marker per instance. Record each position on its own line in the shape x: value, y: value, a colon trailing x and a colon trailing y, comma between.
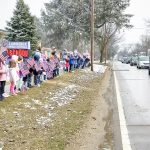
x: 13, y: 75
x: 3, y: 77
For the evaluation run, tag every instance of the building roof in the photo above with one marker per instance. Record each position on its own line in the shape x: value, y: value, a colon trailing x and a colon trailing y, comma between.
x: 4, y: 31
x: 46, y: 49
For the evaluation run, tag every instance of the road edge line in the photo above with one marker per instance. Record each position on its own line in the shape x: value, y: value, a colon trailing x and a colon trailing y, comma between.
x: 123, y: 126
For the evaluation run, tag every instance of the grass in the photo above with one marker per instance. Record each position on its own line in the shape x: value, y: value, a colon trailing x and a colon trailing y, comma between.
x: 18, y: 117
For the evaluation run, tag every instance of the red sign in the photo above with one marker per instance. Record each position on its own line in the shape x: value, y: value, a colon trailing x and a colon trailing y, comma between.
x: 18, y: 52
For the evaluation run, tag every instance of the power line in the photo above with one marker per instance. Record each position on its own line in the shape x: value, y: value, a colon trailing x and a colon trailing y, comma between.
x: 139, y: 29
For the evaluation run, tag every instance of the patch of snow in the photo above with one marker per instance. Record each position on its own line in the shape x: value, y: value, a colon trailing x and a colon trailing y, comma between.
x: 16, y: 113
x: 99, y: 68
x: 33, y: 108
x: 85, y: 77
x: 43, y: 120
x: 64, y: 95
x: 37, y: 102
x: 50, y: 114
x: 52, y: 108
x: 28, y: 105
x: 48, y: 107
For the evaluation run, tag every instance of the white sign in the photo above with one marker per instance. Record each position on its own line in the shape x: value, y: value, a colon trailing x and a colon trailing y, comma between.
x: 18, y: 45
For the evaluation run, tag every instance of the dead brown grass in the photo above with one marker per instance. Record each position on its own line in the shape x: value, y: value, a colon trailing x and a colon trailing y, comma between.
x: 19, y: 129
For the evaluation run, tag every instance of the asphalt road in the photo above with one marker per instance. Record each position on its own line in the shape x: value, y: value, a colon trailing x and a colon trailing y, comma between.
x: 134, y: 88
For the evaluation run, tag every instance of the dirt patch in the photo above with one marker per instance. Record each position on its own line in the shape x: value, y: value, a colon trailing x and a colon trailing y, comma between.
x: 96, y: 133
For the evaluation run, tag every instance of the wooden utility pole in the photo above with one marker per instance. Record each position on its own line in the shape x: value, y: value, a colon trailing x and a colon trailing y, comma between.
x: 92, y: 33
x: 105, y: 43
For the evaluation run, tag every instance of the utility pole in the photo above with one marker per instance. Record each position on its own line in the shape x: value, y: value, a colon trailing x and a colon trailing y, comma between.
x: 105, y: 42
x: 92, y: 33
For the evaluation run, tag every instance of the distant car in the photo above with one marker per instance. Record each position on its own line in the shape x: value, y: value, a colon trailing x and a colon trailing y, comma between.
x: 143, y: 62
x: 133, y: 61
x: 119, y: 59
x: 124, y: 59
x: 128, y: 60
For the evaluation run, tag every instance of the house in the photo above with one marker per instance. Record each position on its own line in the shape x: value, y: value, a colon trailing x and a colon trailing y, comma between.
x: 3, y: 33
x: 46, y: 51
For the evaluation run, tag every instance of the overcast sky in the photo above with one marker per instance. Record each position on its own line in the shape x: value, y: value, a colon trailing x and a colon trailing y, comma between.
x: 139, y: 8
x: 7, y: 7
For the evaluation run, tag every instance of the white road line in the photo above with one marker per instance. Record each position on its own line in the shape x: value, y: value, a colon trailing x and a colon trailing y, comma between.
x: 123, y: 126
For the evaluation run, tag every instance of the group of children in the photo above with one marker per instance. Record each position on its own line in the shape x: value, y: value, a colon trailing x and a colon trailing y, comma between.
x: 74, y: 60
x: 24, y: 73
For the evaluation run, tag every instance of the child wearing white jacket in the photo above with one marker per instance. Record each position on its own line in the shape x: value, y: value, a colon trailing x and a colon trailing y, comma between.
x: 13, y: 75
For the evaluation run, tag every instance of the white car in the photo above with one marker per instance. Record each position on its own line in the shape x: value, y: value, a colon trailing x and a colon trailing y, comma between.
x: 143, y: 62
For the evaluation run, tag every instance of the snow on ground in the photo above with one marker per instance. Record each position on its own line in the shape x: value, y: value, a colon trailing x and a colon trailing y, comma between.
x: 37, y: 102
x: 64, y: 95
x: 99, y: 68
x: 84, y: 77
x: 42, y: 120
x: 59, y: 97
x: 28, y: 105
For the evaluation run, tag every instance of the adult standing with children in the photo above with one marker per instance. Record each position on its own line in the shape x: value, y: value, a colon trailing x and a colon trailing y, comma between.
x: 3, y: 77
x: 71, y: 62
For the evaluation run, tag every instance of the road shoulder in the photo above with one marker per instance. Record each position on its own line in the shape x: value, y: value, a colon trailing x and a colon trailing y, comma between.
x: 97, y: 130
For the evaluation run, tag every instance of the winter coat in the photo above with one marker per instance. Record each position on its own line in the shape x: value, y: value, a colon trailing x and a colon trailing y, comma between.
x: 3, y: 72
x: 67, y: 63
x: 36, y: 57
x: 13, y: 75
x: 76, y: 60
x: 71, y: 60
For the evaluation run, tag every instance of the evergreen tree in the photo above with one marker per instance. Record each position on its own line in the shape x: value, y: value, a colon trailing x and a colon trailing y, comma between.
x: 21, y: 26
